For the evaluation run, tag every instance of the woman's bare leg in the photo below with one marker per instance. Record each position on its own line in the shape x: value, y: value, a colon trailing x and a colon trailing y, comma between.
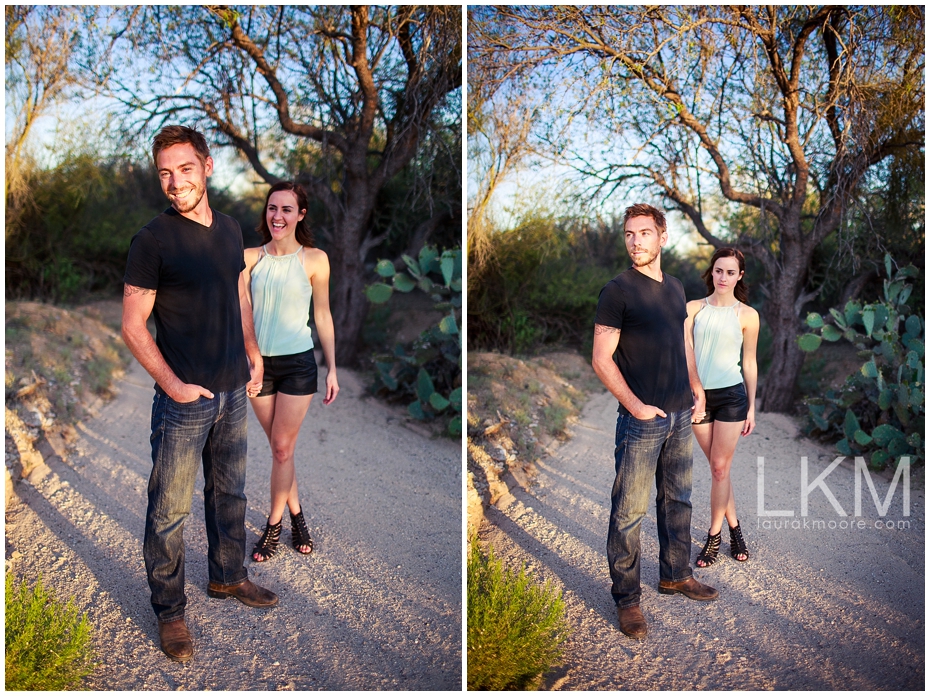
x: 718, y: 441
x: 281, y: 416
x: 723, y: 445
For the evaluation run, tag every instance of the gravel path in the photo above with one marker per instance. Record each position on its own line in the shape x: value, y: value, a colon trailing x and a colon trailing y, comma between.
x: 376, y: 606
x: 813, y: 609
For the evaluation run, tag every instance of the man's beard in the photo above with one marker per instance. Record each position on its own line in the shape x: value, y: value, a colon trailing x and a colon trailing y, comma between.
x: 648, y: 259
x: 191, y: 201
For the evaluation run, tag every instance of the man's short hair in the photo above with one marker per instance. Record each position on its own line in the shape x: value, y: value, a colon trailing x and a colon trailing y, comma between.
x: 178, y: 135
x: 645, y: 210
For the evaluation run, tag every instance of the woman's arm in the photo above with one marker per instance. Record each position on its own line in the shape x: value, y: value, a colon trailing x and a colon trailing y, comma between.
x: 750, y: 322
x: 697, y: 389
x: 251, y: 258
x: 316, y: 264
x: 256, y: 365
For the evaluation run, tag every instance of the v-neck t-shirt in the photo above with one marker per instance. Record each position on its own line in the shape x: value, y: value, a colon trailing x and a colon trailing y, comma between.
x: 651, y: 352
x: 194, y: 271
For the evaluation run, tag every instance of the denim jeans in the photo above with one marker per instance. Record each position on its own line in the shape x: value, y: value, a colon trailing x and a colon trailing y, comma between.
x: 659, y: 447
x: 213, y: 430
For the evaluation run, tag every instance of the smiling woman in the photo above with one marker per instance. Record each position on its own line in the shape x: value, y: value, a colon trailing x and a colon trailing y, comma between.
x: 280, y: 279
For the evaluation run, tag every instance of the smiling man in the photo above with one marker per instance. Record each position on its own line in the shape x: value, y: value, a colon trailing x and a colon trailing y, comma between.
x: 640, y: 354
x: 184, y: 268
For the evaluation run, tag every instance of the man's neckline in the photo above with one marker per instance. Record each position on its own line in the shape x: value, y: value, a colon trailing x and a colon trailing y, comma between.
x: 174, y: 213
x: 646, y: 275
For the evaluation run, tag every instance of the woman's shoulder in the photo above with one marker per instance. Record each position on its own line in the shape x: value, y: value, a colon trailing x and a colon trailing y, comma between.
x: 748, y: 315
x: 315, y: 258
x: 252, y: 254
x: 315, y: 261
x: 693, y: 306
x: 314, y: 253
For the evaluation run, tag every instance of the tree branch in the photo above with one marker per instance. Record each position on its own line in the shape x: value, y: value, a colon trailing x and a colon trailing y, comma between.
x: 245, y: 43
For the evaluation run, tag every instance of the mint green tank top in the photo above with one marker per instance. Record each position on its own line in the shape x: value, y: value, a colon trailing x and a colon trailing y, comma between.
x: 718, y: 341
x: 281, y: 296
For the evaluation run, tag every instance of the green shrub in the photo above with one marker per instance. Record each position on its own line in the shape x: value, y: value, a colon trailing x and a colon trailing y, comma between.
x: 71, y: 240
x: 48, y: 646
x: 536, y: 284
x: 515, y: 627
x: 426, y: 374
x: 880, y: 410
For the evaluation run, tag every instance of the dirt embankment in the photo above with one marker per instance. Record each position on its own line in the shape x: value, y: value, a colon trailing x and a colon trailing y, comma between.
x: 60, y: 368
x: 517, y: 410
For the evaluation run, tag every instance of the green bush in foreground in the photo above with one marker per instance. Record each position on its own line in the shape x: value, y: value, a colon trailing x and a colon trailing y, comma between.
x: 515, y: 627
x: 48, y: 646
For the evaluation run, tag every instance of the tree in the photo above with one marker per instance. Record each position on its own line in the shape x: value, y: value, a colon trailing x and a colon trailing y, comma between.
x: 779, y: 110
x: 40, y: 45
x: 339, y: 98
x: 498, y: 134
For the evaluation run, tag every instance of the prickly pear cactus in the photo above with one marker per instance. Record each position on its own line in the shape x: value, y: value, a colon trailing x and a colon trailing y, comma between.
x: 426, y: 374
x: 880, y: 409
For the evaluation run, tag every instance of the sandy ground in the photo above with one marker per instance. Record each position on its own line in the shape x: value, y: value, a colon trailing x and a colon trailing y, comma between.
x: 814, y: 608
x: 376, y: 606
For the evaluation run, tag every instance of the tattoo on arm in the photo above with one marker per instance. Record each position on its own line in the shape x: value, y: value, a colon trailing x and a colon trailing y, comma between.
x: 601, y: 329
x: 134, y: 290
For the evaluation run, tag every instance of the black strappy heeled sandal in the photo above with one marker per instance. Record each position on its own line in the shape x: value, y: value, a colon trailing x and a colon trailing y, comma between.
x: 267, y: 545
x: 738, y: 544
x: 708, y: 555
x: 300, y: 535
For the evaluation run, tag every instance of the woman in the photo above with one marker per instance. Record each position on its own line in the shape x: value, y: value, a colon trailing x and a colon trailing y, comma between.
x: 280, y: 278
x: 717, y: 327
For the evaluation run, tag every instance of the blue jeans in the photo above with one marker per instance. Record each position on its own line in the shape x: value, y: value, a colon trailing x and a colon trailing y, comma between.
x: 660, y: 447
x: 213, y: 430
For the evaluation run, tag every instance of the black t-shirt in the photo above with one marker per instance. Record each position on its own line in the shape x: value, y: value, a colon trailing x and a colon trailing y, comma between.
x: 651, y: 353
x: 195, y: 273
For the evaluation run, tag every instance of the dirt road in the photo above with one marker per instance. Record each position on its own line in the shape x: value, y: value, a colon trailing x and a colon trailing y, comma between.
x: 376, y: 606
x: 822, y: 603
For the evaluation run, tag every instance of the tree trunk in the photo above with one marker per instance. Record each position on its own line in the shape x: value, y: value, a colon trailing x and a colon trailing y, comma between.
x: 778, y: 389
x: 349, y: 307
x: 347, y: 298
x: 781, y: 312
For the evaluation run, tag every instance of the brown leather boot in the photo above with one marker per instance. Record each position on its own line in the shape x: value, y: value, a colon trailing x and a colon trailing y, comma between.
x: 632, y: 622
x: 690, y: 588
x: 176, y: 640
x: 246, y: 592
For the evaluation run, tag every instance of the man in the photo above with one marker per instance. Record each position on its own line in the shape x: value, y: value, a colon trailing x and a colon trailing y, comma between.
x: 184, y: 266
x: 640, y: 356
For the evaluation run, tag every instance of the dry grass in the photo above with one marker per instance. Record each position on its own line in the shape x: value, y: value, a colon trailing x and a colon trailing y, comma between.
x: 516, y: 408
x: 58, y: 363
x: 536, y: 398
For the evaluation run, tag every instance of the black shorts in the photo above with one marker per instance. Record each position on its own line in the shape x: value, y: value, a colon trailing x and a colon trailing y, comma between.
x: 727, y: 405
x: 290, y: 374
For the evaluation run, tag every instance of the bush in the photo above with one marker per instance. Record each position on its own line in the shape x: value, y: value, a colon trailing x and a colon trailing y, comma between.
x: 537, y: 283
x: 73, y: 237
x: 515, y: 628
x: 48, y: 646
x: 427, y: 374
x: 880, y: 409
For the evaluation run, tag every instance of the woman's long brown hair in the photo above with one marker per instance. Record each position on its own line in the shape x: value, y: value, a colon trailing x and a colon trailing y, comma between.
x: 302, y: 233
x: 741, y: 291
